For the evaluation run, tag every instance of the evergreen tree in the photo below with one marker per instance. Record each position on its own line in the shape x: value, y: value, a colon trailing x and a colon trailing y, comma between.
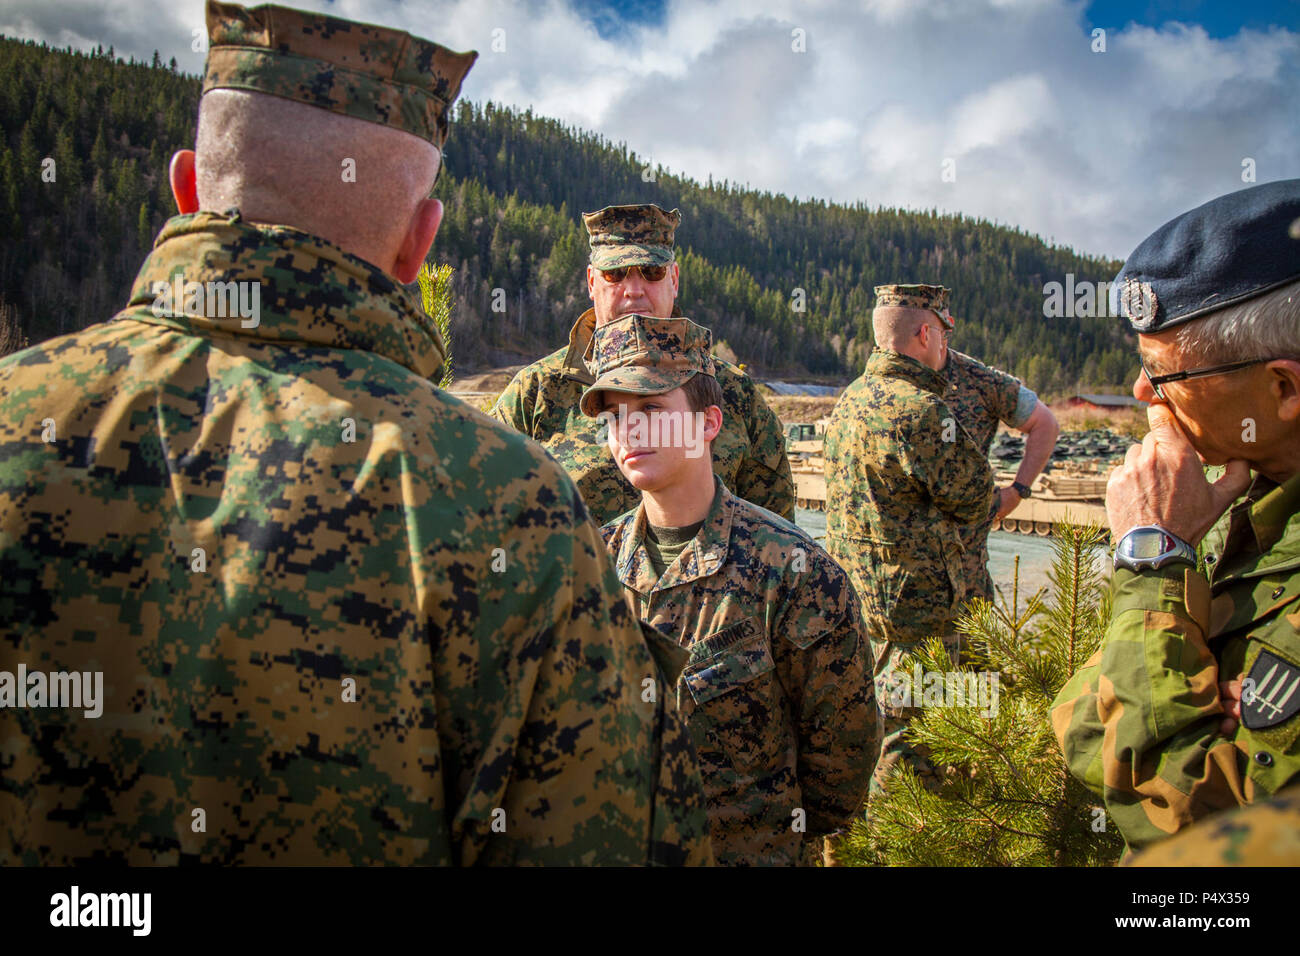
x: 513, y: 188
x: 143, y: 228
x: 1006, y: 797
x: 435, y: 293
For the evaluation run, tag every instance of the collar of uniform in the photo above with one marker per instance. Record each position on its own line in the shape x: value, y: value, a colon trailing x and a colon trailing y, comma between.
x: 893, y: 364
x: 309, y: 290
x: 1274, y: 510
x: 704, y: 556
x: 955, y: 361
x: 1256, y: 525
x: 582, y: 343
x: 581, y: 339
x: 632, y: 564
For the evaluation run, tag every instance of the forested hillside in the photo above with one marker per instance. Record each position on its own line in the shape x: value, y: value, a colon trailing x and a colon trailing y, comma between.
x: 514, y: 189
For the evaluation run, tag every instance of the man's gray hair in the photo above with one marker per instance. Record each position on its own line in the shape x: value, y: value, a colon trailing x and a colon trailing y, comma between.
x: 1267, y: 326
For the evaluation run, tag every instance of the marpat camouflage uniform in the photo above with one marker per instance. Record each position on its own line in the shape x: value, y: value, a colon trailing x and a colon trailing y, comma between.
x: 778, y: 691
x: 640, y: 234
x: 1139, y: 723
x: 981, y: 397
x: 646, y: 355
x: 902, y: 477
x: 347, y: 617
x: 542, y: 400
x: 1262, y: 834
x: 369, y: 72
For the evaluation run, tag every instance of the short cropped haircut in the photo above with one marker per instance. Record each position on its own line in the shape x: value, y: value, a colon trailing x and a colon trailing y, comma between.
x: 702, y: 391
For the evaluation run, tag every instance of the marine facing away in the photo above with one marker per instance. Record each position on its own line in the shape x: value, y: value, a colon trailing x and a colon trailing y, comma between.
x: 341, y: 617
x: 903, y: 478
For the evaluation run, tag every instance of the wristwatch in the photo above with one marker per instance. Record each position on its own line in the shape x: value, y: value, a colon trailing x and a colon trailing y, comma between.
x: 1151, y: 546
x: 1023, y: 490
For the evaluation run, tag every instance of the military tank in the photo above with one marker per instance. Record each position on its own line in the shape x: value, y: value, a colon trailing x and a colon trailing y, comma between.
x: 803, y: 446
x: 1074, y: 493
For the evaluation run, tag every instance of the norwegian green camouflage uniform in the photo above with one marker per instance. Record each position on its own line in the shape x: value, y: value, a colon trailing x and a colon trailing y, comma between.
x: 1139, y: 723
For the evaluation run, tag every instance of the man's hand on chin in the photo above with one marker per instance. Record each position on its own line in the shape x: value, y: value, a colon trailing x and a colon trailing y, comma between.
x: 1162, y: 482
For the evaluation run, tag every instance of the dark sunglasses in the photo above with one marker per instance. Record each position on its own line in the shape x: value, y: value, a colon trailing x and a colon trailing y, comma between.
x: 649, y: 273
x: 1158, y: 380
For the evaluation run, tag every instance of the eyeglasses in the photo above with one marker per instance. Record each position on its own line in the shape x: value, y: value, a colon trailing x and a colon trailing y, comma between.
x: 649, y: 273
x: 1158, y: 380
x: 943, y: 330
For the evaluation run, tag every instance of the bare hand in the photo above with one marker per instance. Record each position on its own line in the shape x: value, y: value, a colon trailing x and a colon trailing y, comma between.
x: 1009, y: 500
x: 1162, y: 482
x: 1230, y: 694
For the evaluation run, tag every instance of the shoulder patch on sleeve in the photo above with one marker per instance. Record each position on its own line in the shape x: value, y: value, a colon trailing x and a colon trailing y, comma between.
x: 1273, y: 692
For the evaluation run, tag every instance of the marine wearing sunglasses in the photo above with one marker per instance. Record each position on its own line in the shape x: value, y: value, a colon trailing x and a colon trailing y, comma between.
x: 648, y: 273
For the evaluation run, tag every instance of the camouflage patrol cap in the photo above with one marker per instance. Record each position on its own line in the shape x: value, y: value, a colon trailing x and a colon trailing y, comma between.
x: 931, y: 297
x: 646, y: 355
x: 638, y: 235
x: 369, y: 72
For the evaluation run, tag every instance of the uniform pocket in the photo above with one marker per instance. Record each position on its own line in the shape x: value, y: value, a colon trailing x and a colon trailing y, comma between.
x: 737, y: 717
x: 726, y: 661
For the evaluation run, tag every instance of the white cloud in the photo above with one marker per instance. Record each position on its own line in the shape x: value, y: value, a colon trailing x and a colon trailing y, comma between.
x: 1092, y: 149
x: 1002, y: 112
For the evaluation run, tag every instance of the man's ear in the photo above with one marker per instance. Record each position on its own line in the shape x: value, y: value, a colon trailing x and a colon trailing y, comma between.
x: 418, y: 239
x: 1284, y: 385
x: 712, y: 422
x: 591, y: 281
x: 184, y: 185
x: 675, y: 273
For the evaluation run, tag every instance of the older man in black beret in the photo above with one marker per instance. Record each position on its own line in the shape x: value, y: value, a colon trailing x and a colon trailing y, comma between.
x: 1192, y: 705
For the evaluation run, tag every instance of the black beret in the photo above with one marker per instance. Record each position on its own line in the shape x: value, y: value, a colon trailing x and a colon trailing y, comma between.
x: 1231, y: 249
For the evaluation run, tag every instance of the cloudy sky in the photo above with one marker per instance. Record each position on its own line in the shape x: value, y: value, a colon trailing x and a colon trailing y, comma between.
x: 1003, y: 109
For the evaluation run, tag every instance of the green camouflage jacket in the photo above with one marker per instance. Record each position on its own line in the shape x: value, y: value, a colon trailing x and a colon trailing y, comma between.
x: 981, y: 397
x: 1139, y: 723
x: 902, y: 478
x: 778, y: 691
x: 1261, y: 834
x: 542, y: 402
x: 340, y: 616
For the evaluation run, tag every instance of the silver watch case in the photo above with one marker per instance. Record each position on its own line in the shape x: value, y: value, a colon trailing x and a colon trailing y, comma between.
x: 1151, y: 546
